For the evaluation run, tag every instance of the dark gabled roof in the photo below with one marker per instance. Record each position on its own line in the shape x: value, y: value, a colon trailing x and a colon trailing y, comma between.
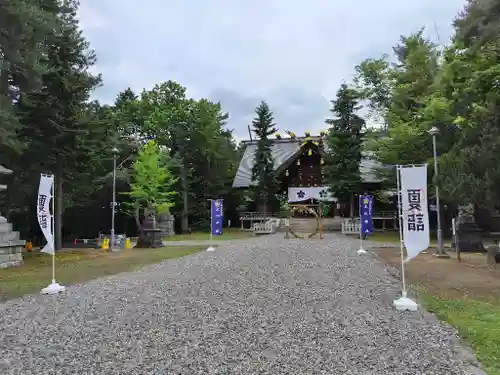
x: 282, y: 150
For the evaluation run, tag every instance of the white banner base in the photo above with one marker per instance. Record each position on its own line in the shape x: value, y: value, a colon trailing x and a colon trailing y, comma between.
x: 405, y: 304
x: 211, y: 248
x: 53, y: 288
x: 361, y: 251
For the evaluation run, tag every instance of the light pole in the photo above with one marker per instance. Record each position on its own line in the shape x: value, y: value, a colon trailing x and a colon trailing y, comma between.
x: 440, y: 253
x: 112, y: 242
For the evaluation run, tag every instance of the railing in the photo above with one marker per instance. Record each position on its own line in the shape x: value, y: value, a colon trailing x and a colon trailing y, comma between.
x: 268, y: 227
x: 350, y: 227
x: 386, y: 214
x: 257, y: 215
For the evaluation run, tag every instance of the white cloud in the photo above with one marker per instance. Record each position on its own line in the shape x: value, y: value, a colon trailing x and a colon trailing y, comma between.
x: 292, y: 54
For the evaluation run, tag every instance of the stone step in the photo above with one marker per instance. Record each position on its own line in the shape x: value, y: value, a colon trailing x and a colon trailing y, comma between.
x: 5, y: 227
x: 307, y: 225
x: 12, y: 243
x: 9, y: 236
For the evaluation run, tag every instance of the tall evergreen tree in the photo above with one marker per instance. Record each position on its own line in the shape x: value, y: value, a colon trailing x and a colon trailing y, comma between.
x: 344, y: 143
x: 56, y: 122
x: 27, y: 26
x: 263, y: 173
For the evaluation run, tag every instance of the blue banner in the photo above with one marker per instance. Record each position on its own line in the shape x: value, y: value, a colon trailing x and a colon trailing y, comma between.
x: 365, y: 214
x: 217, y: 216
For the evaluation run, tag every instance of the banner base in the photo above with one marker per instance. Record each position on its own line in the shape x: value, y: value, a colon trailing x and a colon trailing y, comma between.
x: 211, y: 248
x: 361, y: 251
x: 441, y: 256
x: 53, y: 288
x: 405, y: 303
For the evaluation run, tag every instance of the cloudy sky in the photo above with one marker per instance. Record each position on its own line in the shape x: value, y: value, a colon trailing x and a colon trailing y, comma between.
x: 293, y: 54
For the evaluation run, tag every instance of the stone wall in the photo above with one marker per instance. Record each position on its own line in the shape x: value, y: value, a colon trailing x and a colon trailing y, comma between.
x: 11, y: 247
x: 11, y: 256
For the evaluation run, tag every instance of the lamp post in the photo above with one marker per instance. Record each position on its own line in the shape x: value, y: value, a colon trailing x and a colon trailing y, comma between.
x: 434, y: 131
x: 113, y: 204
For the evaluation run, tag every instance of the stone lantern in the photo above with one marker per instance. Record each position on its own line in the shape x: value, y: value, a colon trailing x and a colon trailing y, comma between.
x: 11, y: 247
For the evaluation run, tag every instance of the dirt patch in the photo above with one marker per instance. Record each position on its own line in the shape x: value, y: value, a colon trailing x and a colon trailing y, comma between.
x: 447, y: 277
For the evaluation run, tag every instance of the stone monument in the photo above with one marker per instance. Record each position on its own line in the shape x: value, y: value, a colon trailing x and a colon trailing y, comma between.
x: 11, y: 247
x: 166, y: 224
x: 152, y: 235
x: 468, y: 237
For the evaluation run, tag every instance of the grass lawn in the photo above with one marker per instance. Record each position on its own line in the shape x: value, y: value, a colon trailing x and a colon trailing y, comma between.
x: 465, y: 294
x: 227, y: 234
x: 77, y: 266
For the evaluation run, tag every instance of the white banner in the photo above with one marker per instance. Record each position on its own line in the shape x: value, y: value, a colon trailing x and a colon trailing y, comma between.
x: 299, y: 194
x: 415, y: 210
x: 43, y: 211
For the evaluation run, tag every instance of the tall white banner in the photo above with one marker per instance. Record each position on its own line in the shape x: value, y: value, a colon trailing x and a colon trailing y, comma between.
x: 415, y: 210
x: 43, y: 211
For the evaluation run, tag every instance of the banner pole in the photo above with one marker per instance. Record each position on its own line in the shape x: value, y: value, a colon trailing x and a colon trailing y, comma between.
x: 54, y: 287
x: 53, y: 232
x: 403, y: 303
x: 211, y: 222
x: 210, y: 247
x: 361, y: 250
x: 401, y: 239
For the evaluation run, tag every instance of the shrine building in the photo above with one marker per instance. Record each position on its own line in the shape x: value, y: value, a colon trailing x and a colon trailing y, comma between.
x: 299, y: 163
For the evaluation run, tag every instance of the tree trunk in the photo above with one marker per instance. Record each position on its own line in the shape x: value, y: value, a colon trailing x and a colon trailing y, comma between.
x: 58, y: 214
x: 351, y: 207
x: 185, y: 222
x: 150, y: 236
x: 137, y: 217
x: 142, y: 241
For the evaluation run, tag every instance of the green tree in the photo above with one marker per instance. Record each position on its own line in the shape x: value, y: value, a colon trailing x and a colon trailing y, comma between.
x: 470, y: 168
x: 58, y: 124
x: 27, y: 30
x: 213, y: 161
x: 403, y: 91
x: 263, y: 172
x: 202, y: 150
x: 374, y: 81
x: 150, y: 186
x: 344, y: 146
x: 478, y: 23
x: 168, y: 117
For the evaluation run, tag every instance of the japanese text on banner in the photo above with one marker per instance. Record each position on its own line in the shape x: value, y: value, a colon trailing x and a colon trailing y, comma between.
x: 43, y: 211
x: 414, y: 210
x: 217, y: 218
x: 366, y: 214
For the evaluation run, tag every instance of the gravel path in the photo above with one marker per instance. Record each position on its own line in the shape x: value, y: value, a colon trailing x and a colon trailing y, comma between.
x: 259, y: 306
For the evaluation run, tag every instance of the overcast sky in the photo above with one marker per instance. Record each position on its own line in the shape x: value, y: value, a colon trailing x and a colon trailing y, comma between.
x: 293, y: 54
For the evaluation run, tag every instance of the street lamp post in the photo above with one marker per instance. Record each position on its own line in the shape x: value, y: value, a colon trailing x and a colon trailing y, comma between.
x: 113, y: 204
x: 434, y: 131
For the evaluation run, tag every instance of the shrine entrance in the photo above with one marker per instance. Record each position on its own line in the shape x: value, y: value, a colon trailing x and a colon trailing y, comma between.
x: 305, y: 221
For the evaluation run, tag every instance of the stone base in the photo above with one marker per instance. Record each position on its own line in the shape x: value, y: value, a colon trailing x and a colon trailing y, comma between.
x: 11, y: 256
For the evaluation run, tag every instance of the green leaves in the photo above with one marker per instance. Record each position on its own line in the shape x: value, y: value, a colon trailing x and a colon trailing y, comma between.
x: 263, y: 173
x: 27, y: 34
x: 152, y: 181
x: 344, y: 143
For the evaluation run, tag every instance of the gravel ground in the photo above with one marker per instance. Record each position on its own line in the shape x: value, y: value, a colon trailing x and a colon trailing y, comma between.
x: 261, y: 306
